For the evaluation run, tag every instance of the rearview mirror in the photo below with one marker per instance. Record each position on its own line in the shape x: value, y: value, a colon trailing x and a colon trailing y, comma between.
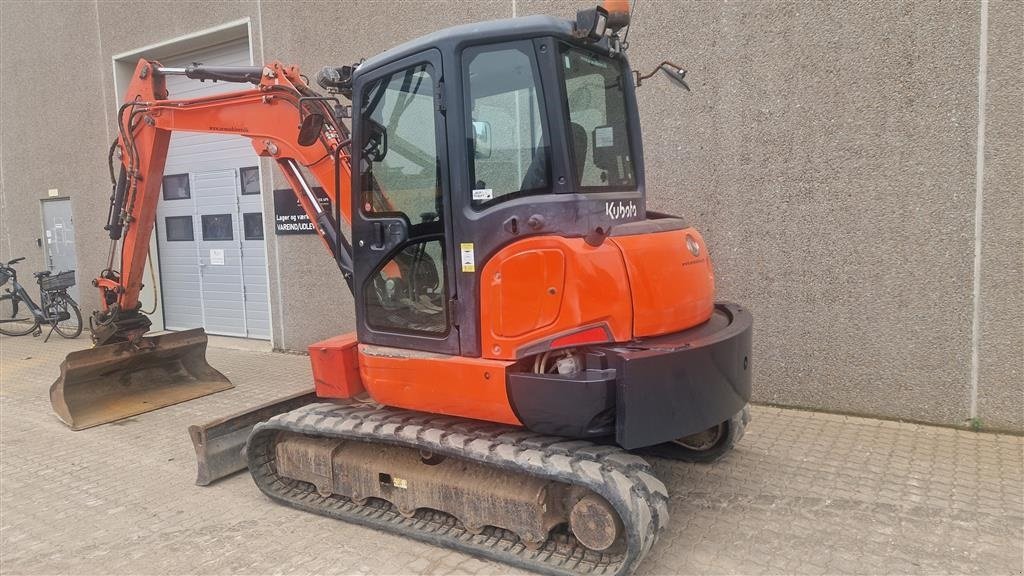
x: 673, y: 71
x: 309, y: 130
x: 676, y: 74
x: 481, y: 139
x: 375, y: 144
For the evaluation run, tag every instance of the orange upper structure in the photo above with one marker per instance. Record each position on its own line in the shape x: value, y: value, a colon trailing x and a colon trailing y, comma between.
x: 539, y: 292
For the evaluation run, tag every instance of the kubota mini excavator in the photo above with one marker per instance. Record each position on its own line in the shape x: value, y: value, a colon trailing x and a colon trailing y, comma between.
x: 524, y: 324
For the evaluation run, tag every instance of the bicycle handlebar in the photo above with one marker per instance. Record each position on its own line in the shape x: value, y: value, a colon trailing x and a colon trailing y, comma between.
x: 15, y: 261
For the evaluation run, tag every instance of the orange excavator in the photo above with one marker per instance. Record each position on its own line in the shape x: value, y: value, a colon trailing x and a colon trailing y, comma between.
x: 526, y: 329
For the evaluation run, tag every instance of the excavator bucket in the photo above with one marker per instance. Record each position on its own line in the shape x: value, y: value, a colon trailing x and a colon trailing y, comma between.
x: 115, y: 381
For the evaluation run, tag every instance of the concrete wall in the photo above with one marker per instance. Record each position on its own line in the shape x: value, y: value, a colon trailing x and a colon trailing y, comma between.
x: 1000, y: 377
x: 828, y: 152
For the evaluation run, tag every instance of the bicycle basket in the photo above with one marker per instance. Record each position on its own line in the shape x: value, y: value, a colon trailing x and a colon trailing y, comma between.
x: 4, y: 276
x: 60, y: 281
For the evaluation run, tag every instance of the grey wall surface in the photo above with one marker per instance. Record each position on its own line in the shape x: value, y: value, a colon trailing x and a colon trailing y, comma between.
x: 52, y: 138
x: 828, y: 152
x: 1001, y: 338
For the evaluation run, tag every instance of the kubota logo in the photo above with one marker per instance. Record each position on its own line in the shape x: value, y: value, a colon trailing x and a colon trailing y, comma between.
x: 617, y: 210
x: 692, y: 245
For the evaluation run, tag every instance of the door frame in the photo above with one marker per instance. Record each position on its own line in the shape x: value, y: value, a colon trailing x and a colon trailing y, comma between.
x: 75, y: 292
x: 368, y: 263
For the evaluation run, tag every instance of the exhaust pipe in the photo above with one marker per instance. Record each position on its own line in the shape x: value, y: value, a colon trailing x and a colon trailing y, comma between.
x: 116, y: 381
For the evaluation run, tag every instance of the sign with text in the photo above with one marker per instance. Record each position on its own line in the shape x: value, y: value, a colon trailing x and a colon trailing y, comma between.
x: 289, y: 218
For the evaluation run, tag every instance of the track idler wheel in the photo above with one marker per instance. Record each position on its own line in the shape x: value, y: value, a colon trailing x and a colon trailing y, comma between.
x: 594, y: 523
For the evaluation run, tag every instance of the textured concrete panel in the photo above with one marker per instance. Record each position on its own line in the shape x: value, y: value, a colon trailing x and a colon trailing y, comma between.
x: 317, y: 303
x: 827, y: 153
x: 53, y: 133
x: 1001, y: 347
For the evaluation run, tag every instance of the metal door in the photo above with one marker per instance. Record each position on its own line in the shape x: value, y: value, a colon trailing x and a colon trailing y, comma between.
x: 220, y: 252
x: 213, y: 270
x: 59, y: 238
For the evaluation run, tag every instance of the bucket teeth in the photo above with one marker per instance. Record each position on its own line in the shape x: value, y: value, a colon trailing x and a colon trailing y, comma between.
x: 116, y: 381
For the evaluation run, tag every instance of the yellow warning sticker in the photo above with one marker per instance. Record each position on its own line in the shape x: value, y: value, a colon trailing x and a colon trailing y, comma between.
x: 468, y: 259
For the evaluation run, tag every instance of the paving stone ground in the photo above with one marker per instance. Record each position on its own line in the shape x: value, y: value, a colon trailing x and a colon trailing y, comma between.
x: 803, y: 493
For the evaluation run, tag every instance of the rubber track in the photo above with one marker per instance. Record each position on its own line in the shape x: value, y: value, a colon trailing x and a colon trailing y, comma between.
x: 623, y: 479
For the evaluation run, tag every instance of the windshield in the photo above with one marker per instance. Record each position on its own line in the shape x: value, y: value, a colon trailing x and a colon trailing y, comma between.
x: 597, y: 121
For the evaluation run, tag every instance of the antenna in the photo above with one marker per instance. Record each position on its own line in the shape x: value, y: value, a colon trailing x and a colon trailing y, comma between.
x: 632, y: 8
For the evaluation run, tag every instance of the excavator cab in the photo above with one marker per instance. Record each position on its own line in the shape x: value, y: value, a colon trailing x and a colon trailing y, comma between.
x: 470, y: 140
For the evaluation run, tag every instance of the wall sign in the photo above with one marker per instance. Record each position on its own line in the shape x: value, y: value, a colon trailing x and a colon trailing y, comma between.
x: 289, y: 218
x: 216, y: 257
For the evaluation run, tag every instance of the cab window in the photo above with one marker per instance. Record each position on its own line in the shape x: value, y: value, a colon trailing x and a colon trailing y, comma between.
x: 509, y: 154
x: 400, y: 171
x: 598, y: 124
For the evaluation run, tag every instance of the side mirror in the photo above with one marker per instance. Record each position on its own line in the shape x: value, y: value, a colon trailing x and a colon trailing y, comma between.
x: 673, y: 71
x: 310, y: 129
x: 481, y: 139
x: 676, y: 74
x: 375, y: 145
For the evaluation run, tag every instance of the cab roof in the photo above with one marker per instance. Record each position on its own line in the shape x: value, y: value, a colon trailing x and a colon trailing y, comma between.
x: 450, y: 39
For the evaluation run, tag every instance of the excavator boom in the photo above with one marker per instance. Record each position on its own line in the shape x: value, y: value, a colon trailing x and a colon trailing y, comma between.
x: 127, y: 373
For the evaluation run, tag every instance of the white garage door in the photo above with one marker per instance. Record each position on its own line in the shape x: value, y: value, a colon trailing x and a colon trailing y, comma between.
x: 213, y: 262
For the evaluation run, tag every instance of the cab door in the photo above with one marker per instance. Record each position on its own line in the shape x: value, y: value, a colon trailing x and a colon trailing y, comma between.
x: 401, y: 223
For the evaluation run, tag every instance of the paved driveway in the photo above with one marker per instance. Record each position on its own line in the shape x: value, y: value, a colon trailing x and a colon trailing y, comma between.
x: 803, y: 493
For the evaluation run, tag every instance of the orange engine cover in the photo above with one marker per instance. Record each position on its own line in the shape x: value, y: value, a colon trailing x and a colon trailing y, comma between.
x: 547, y: 286
x: 670, y: 279
x: 546, y: 290
x: 528, y: 291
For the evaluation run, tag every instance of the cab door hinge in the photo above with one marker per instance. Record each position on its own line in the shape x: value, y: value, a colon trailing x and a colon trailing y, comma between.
x: 439, y: 100
x: 453, y: 312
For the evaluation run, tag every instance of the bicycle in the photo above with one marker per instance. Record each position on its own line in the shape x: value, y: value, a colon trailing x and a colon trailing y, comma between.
x: 20, y: 315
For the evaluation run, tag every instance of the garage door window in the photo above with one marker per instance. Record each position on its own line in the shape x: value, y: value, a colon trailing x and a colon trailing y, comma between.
x: 176, y: 187
x: 217, y: 227
x: 179, y: 228
x: 250, y: 180
x: 253, y: 224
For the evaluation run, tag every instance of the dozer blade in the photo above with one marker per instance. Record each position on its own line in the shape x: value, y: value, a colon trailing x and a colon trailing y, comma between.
x: 115, y: 381
x: 220, y: 444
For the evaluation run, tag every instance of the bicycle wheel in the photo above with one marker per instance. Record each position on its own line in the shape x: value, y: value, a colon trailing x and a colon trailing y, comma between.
x: 15, y: 317
x: 68, y: 325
